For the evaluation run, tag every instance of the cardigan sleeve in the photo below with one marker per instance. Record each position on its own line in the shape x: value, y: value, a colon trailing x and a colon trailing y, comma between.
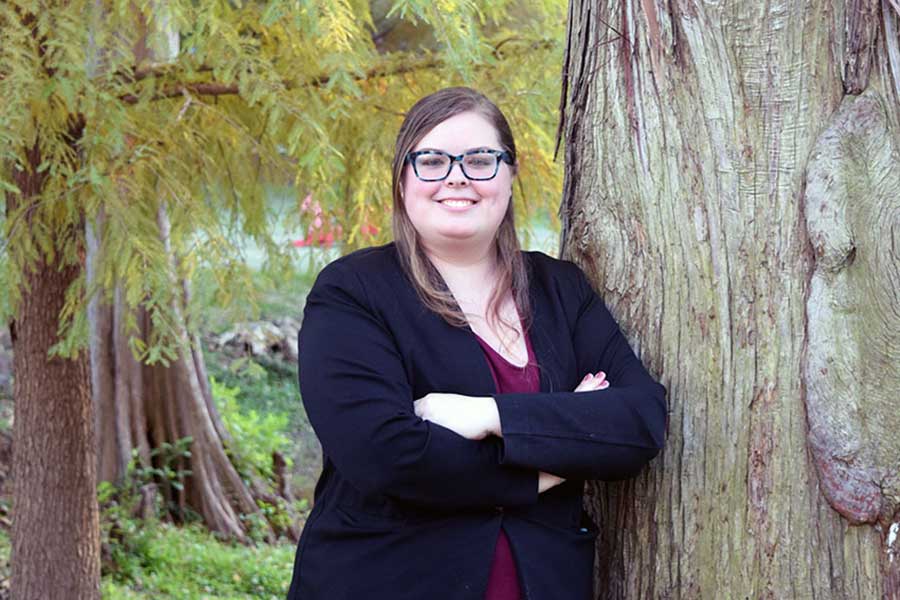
x: 358, y: 399
x: 606, y: 434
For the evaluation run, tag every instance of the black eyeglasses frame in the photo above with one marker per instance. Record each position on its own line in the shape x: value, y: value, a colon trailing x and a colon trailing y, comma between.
x: 503, y: 155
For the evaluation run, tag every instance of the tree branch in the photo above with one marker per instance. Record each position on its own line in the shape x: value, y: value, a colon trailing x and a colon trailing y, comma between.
x: 212, y: 88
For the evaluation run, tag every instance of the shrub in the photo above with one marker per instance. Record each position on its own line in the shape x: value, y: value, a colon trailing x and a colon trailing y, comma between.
x: 254, y: 437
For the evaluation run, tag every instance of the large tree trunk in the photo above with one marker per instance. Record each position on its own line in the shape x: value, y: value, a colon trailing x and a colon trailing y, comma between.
x: 55, y: 534
x: 731, y: 187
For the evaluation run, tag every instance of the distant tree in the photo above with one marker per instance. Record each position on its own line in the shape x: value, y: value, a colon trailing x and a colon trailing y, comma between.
x: 124, y: 170
x: 732, y: 177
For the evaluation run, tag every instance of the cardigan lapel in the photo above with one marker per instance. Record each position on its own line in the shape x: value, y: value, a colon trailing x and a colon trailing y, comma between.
x: 541, y: 333
x: 468, y: 356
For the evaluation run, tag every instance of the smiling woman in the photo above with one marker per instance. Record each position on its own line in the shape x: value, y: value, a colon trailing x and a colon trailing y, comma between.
x: 462, y: 389
x: 457, y: 170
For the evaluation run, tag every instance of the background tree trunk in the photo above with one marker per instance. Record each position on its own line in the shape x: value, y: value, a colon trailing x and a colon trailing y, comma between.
x: 731, y: 188
x: 55, y: 533
x: 141, y: 408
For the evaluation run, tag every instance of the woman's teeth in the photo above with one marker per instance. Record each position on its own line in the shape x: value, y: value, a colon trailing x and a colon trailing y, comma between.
x: 457, y: 202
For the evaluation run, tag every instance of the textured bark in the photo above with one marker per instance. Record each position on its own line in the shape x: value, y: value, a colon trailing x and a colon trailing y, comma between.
x: 110, y: 461
x: 851, y: 373
x: 731, y: 187
x: 55, y: 534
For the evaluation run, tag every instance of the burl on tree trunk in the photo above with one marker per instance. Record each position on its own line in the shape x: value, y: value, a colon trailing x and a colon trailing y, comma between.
x: 851, y: 371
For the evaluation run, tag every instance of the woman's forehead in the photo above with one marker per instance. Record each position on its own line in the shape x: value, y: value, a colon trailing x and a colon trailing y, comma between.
x: 459, y: 133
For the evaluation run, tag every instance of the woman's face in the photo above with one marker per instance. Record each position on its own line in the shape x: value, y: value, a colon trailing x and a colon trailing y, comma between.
x: 475, y: 220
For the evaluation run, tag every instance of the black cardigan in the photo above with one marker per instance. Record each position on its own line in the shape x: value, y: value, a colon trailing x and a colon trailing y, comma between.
x: 407, y: 509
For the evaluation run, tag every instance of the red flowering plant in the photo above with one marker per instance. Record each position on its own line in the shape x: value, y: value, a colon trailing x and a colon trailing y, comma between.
x: 323, y: 231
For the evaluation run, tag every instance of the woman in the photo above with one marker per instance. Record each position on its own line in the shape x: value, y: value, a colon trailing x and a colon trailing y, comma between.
x: 435, y: 371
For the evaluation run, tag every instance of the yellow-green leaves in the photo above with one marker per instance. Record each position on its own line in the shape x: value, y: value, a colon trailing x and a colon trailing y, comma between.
x: 204, y: 106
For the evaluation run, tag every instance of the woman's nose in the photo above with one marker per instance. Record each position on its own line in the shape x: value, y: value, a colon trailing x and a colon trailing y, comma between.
x: 456, y: 176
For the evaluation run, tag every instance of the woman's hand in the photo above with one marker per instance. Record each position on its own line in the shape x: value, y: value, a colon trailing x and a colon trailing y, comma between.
x: 473, y: 417
x: 547, y: 481
x: 593, y: 382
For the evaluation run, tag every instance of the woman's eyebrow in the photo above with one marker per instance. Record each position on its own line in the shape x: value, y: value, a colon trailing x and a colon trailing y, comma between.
x: 472, y: 149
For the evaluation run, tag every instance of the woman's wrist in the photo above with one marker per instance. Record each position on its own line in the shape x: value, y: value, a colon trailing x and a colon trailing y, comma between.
x: 492, y: 417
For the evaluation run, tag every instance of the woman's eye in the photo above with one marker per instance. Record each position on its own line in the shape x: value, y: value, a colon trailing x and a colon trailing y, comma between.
x: 434, y: 161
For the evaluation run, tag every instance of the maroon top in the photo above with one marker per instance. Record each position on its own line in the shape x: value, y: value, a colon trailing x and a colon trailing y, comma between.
x: 503, y: 583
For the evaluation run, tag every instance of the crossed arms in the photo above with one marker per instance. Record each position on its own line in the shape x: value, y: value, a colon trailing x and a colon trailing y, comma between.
x: 359, y: 401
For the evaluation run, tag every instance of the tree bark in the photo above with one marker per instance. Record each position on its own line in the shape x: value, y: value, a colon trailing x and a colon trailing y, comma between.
x: 55, y: 533
x: 731, y: 188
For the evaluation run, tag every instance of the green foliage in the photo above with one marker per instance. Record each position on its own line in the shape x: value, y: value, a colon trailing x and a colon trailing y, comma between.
x: 270, y: 387
x: 268, y: 294
x: 190, y: 563
x: 121, y: 533
x: 5, y: 552
x: 255, y: 436
x: 146, y: 558
x: 278, y: 515
x: 167, y: 473
x: 120, y: 501
x: 119, y: 530
x: 197, y: 107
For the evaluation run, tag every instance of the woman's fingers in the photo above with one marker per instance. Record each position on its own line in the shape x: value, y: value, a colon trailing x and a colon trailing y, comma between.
x: 593, y: 382
x: 419, y: 406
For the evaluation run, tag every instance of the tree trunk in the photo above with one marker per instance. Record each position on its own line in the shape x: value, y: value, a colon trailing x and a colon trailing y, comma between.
x: 55, y: 534
x: 731, y: 187
x: 143, y: 407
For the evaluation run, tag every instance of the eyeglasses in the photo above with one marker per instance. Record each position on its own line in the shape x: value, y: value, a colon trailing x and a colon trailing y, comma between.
x: 477, y: 165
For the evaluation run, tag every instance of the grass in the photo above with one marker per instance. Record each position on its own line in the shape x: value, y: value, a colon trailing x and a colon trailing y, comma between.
x: 190, y: 563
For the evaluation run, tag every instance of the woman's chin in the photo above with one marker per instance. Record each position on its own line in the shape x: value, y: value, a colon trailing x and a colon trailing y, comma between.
x: 459, y: 233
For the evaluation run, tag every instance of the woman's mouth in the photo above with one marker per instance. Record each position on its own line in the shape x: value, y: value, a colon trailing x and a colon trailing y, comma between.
x: 457, y: 203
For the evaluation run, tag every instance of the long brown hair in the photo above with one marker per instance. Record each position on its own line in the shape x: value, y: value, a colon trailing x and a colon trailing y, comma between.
x: 511, y: 271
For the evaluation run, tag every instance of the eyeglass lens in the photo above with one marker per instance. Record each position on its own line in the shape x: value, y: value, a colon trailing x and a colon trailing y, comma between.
x: 475, y: 166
